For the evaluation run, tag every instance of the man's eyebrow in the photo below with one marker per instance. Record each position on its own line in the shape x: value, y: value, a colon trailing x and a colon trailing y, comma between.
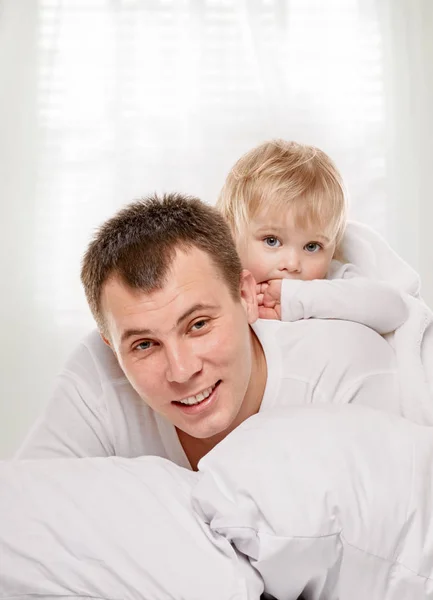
x: 128, y: 333
x: 193, y: 309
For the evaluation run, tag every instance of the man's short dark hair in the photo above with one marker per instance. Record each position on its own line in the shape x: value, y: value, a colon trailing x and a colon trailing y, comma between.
x: 139, y: 243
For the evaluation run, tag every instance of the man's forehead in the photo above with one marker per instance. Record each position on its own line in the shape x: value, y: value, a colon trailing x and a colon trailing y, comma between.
x: 185, y: 292
x: 118, y: 296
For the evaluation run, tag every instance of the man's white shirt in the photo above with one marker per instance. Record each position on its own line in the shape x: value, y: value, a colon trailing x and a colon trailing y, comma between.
x: 94, y: 410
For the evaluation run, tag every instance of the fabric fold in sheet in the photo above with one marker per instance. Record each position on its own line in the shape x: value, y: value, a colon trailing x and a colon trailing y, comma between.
x: 335, y: 502
x: 118, y: 529
x: 413, y: 340
x: 331, y: 502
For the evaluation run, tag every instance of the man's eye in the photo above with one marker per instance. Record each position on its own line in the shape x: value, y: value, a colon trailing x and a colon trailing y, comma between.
x: 312, y: 247
x: 143, y: 345
x: 272, y: 241
x: 199, y: 325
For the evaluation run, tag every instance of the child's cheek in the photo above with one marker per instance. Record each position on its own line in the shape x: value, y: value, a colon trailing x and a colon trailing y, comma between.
x: 320, y: 269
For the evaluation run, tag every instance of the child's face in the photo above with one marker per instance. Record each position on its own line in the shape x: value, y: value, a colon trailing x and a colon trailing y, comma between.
x: 274, y: 248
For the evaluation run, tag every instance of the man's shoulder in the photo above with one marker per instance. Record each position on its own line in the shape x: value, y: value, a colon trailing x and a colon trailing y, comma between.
x: 333, y: 329
x: 93, y: 360
x: 340, y: 337
x: 333, y: 361
x: 93, y: 377
x: 330, y: 338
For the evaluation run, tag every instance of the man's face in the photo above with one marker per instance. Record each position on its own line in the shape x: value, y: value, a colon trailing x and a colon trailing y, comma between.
x: 187, y: 348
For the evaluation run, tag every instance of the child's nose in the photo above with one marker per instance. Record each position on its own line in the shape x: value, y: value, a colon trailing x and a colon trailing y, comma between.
x: 291, y: 262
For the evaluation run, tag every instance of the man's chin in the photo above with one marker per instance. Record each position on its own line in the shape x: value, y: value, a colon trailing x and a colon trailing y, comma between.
x: 209, y: 434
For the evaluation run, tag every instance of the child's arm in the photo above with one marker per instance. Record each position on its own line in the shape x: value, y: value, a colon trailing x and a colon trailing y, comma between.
x: 373, y: 303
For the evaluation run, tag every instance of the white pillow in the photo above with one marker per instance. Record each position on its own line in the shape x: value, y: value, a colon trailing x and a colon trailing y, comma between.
x: 113, y: 529
x: 333, y: 501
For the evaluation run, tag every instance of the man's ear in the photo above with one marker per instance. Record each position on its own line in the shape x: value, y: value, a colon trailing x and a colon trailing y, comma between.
x: 105, y: 340
x: 249, y: 296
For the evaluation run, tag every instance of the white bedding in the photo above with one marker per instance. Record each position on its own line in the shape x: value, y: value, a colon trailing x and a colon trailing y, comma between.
x: 413, y: 340
x: 115, y: 529
x: 336, y: 501
x: 333, y: 501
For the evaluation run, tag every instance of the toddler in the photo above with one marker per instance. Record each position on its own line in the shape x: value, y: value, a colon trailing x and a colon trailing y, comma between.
x: 286, y: 205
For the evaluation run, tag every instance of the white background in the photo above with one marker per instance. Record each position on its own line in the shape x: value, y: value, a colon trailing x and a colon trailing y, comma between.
x: 104, y: 101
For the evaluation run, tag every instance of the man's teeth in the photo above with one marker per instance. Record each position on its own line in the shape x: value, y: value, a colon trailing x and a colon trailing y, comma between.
x: 199, y: 397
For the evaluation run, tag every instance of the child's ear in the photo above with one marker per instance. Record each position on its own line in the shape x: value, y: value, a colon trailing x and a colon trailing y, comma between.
x: 249, y: 296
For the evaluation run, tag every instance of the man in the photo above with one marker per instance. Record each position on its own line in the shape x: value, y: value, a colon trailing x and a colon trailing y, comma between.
x: 181, y: 359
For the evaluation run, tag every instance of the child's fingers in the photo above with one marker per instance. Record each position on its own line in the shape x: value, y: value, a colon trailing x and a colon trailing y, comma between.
x: 268, y: 301
x: 265, y: 313
x: 261, y: 287
x: 274, y: 289
x: 268, y: 313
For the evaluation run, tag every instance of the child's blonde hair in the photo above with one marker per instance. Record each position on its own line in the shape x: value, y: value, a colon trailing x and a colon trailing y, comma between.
x: 278, y: 175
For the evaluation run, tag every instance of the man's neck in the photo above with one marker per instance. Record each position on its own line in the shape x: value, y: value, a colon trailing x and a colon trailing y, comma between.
x: 195, y: 448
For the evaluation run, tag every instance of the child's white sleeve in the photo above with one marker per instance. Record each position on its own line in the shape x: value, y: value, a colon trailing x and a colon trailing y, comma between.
x: 351, y: 297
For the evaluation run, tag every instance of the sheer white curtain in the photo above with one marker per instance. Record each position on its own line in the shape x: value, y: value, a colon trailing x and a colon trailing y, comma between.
x: 104, y: 101
x: 407, y: 33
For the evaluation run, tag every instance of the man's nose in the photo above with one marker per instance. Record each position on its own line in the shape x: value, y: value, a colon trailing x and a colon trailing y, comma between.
x: 182, y: 363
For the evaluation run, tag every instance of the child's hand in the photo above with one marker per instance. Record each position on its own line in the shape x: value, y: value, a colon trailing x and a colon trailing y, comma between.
x: 269, y: 299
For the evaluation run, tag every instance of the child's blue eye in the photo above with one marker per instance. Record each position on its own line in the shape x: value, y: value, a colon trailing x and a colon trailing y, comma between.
x: 272, y: 242
x: 312, y: 247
